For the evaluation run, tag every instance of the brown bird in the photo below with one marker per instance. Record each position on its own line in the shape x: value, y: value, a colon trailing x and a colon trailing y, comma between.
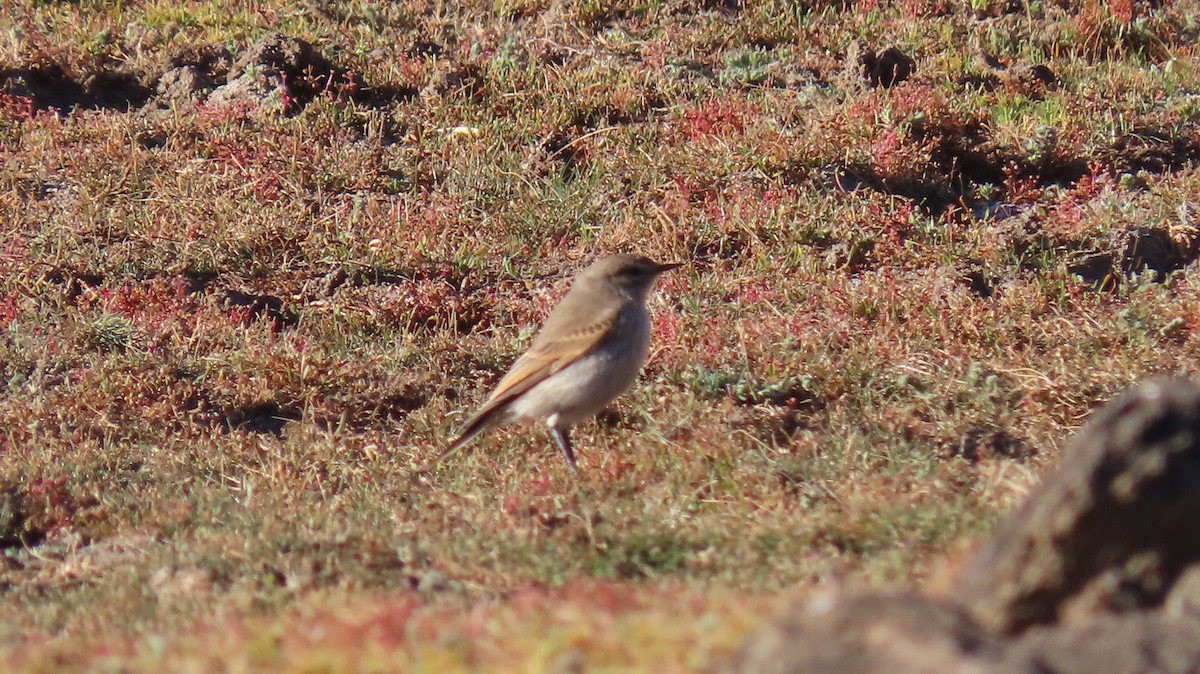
x: 589, y: 351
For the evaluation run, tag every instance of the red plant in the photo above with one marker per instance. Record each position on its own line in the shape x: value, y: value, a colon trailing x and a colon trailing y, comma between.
x: 715, y: 118
x: 57, y: 502
x: 1123, y: 11
x: 409, y: 69
x: 136, y: 299
x: 220, y: 114
x: 1020, y: 188
x: 8, y: 310
x: 666, y: 328
x: 654, y: 54
x: 17, y: 108
x: 286, y: 101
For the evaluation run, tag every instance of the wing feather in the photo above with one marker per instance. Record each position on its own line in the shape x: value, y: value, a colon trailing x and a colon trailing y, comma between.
x: 545, y: 358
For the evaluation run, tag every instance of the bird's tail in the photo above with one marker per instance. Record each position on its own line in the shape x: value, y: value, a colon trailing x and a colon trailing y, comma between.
x: 477, y: 424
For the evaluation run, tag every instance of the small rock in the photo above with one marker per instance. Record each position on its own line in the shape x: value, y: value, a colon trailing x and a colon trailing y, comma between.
x: 248, y: 88
x: 1133, y: 644
x: 432, y: 582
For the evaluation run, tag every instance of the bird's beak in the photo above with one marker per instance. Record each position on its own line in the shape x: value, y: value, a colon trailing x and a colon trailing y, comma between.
x: 669, y: 266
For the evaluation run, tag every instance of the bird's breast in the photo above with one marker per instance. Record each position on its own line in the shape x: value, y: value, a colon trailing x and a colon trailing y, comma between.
x: 592, y: 381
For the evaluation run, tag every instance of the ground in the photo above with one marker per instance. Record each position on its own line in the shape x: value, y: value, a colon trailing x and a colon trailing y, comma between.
x: 261, y: 258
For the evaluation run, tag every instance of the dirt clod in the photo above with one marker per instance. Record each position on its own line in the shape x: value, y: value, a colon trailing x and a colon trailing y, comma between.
x: 456, y: 80
x: 1155, y: 250
x: 183, y: 83
x: 285, y: 69
x: 888, y: 67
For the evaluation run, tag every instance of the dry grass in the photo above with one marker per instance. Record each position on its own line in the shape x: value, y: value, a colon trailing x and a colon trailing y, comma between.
x: 229, y: 332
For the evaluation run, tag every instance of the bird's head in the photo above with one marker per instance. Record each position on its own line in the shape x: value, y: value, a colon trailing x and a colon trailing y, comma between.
x: 632, y: 275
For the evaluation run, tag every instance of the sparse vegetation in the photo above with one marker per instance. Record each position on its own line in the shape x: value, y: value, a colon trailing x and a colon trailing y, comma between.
x: 258, y: 258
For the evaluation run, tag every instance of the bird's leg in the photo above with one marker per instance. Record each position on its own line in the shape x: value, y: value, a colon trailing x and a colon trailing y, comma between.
x: 562, y: 438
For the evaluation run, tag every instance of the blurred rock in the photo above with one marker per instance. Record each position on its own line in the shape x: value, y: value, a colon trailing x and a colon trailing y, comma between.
x: 1184, y: 599
x: 1132, y: 644
x: 172, y: 583
x: 1111, y: 530
x: 868, y: 634
x: 1098, y: 572
x: 982, y: 442
x: 248, y: 89
x: 992, y: 72
x: 456, y: 79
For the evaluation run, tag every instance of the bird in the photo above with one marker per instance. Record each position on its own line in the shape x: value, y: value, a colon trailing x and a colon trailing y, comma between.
x: 588, y: 352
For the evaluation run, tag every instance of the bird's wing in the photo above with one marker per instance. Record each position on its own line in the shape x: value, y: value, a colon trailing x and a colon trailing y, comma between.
x: 546, y: 357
